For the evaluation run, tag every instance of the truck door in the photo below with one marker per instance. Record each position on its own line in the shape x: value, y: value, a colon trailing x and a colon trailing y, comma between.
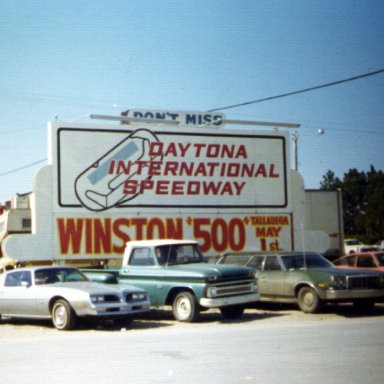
x: 143, y: 272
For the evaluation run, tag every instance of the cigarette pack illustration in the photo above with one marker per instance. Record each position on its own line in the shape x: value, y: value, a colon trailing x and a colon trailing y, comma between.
x: 100, y: 186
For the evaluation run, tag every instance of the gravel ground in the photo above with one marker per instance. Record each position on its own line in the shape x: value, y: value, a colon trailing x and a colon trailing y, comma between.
x: 263, y: 314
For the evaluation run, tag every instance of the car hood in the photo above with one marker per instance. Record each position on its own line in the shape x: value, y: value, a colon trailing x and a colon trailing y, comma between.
x: 91, y: 287
x: 345, y: 272
x: 203, y: 270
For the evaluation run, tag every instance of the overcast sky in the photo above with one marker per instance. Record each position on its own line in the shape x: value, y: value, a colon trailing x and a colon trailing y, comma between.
x: 68, y: 59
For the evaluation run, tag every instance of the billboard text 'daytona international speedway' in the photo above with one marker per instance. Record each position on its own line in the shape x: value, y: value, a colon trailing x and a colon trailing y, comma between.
x: 104, y: 169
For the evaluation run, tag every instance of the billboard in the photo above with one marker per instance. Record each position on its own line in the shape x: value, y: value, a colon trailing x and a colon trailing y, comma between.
x: 151, y: 168
x: 108, y: 184
x: 229, y: 189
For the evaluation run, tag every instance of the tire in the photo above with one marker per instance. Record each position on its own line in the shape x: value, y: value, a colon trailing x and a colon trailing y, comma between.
x: 185, y: 307
x: 63, y: 316
x: 232, y: 312
x: 308, y: 300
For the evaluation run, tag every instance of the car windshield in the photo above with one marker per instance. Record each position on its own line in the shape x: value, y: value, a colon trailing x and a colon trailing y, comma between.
x: 353, y: 242
x: 305, y: 260
x: 380, y: 258
x: 179, y: 254
x: 58, y: 275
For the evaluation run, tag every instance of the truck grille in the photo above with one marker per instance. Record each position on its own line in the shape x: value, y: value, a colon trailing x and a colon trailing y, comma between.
x: 365, y: 282
x: 236, y: 277
x: 235, y: 288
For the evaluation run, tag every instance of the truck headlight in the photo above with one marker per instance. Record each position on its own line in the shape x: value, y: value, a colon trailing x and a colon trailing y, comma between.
x: 212, y: 292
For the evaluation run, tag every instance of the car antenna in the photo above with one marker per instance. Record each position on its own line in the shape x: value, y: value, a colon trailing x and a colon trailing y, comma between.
x: 303, y: 245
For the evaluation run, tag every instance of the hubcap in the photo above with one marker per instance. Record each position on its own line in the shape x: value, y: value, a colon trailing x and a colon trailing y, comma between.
x: 308, y: 299
x: 60, y: 316
x: 183, y: 307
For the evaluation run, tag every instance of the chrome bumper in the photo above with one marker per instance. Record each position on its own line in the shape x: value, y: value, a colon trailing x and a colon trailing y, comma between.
x: 232, y: 300
x: 351, y: 294
x: 111, y: 309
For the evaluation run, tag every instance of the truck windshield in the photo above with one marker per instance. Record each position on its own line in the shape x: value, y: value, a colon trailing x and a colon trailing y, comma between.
x: 179, y: 254
x: 353, y: 242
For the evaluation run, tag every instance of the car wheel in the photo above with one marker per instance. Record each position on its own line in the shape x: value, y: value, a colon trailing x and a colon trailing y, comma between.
x: 185, y: 307
x: 232, y: 312
x: 308, y: 300
x: 63, y: 316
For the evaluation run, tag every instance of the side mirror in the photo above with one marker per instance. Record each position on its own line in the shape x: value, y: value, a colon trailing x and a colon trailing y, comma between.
x: 25, y: 284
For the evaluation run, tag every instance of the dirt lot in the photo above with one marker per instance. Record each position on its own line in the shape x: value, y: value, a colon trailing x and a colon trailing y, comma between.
x: 263, y: 314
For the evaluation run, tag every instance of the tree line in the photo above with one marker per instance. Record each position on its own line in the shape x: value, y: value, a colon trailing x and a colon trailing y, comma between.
x: 363, y: 202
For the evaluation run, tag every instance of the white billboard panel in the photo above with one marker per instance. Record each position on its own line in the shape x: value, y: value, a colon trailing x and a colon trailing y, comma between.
x: 101, y: 169
x: 104, y: 185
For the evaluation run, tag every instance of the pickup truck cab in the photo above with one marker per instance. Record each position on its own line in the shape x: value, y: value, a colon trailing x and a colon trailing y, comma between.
x: 174, y: 273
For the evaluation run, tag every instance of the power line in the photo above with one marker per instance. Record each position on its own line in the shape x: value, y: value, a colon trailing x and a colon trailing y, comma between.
x: 21, y: 168
x: 247, y: 103
x: 299, y: 91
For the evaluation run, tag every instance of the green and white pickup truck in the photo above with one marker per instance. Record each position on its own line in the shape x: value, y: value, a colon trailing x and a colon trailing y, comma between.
x: 174, y: 273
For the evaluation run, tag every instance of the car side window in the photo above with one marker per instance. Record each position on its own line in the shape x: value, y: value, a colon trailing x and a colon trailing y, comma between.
x: 16, y: 278
x: 350, y: 260
x: 272, y: 264
x: 365, y: 262
x: 141, y: 257
x: 380, y: 258
x: 237, y: 259
x: 256, y: 262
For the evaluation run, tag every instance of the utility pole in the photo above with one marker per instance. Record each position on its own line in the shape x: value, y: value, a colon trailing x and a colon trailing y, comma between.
x: 295, y: 138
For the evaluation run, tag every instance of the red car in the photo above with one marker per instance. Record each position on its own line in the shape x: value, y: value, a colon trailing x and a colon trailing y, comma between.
x: 366, y: 260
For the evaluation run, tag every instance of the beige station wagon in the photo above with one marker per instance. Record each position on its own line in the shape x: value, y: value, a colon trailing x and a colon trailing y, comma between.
x: 309, y: 280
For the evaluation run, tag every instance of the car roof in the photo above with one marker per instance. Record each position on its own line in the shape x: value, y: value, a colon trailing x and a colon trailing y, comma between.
x: 159, y: 242
x: 292, y: 253
x: 266, y: 253
x: 365, y: 253
x: 34, y: 268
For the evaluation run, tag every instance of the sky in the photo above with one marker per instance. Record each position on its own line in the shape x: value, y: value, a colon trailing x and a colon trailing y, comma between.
x: 66, y: 60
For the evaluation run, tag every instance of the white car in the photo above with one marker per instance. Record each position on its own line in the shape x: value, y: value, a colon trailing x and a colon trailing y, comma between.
x: 63, y: 294
x: 354, y: 246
